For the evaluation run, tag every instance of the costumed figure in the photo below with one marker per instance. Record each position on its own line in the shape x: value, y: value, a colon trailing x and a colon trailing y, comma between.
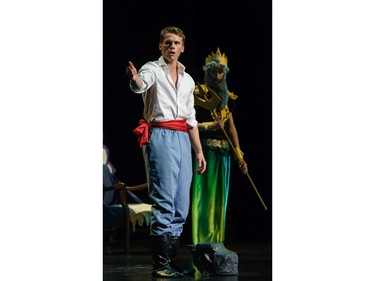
x: 219, y: 138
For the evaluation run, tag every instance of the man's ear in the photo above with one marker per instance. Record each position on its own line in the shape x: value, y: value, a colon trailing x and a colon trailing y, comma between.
x: 160, y: 46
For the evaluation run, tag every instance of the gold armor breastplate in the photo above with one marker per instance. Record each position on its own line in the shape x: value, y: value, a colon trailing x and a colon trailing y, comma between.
x: 208, y: 99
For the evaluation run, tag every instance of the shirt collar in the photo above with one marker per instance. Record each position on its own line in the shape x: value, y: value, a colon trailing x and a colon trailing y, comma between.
x: 181, y: 67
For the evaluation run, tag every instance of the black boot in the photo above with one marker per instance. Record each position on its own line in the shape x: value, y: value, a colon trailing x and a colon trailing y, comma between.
x: 161, y: 248
x: 174, y: 243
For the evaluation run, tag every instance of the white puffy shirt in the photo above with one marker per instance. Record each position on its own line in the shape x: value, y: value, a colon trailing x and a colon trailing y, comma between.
x: 162, y: 101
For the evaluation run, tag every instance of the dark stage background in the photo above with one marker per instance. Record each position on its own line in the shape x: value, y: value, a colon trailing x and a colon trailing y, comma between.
x: 243, y: 31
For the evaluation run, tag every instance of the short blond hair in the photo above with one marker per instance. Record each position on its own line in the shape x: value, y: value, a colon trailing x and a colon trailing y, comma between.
x: 174, y: 30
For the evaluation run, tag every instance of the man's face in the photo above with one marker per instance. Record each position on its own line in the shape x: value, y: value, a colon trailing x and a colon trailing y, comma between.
x: 171, y: 47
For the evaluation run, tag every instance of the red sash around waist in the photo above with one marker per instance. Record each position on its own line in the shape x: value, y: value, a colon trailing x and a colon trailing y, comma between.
x: 142, y: 130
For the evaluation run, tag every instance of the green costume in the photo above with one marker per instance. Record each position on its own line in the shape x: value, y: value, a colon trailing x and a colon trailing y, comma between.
x: 210, y: 190
x: 210, y: 194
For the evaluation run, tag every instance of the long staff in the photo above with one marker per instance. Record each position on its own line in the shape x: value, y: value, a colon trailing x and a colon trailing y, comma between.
x: 239, y: 158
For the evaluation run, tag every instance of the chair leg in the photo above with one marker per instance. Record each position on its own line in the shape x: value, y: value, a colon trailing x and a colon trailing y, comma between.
x: 127, y: 234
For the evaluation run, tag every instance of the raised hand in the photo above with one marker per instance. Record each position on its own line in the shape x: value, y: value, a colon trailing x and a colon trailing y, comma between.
x: 131, y: 70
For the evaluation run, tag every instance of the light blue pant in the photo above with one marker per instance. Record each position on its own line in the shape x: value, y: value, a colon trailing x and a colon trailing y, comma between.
x: 168, y: 162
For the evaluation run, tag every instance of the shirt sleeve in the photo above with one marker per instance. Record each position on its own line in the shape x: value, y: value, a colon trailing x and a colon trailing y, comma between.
x: 148, y: 75
x: 191, y: 119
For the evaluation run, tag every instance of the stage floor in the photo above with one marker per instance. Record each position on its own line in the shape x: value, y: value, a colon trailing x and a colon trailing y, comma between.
x: 254, y: 262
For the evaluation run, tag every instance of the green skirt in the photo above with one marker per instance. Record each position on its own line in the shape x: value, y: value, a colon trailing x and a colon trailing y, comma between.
x: 210, y: 195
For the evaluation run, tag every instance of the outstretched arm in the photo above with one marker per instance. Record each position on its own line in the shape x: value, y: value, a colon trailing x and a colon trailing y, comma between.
x: 132, y: 74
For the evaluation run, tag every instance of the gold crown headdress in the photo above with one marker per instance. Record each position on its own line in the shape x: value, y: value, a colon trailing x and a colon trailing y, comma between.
x: 222, y: 58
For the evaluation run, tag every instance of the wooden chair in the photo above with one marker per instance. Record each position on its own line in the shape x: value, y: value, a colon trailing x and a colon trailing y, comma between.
x: 136, y: 216
x: 132, y: 218
x: 118, y: 212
